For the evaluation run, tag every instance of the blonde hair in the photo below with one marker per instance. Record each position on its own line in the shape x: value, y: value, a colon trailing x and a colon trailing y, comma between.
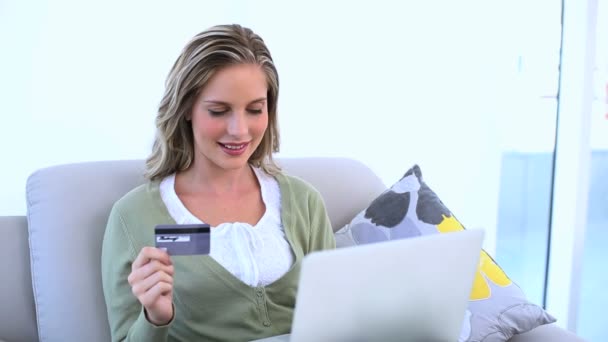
x: 206, y: 53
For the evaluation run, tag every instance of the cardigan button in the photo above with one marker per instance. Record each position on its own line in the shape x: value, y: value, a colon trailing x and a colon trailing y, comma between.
x: 266, y: 323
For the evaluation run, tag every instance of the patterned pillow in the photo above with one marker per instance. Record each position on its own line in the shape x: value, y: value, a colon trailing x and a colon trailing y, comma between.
x: 498, y: 308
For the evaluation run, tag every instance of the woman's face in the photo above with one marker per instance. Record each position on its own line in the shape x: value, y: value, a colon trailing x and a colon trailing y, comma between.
x: 230, y: 117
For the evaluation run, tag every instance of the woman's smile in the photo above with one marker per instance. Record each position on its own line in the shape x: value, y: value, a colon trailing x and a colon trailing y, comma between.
x: 234, y: 149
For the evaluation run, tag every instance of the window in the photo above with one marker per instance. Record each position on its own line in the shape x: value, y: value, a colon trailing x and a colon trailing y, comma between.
x: 593, y: 296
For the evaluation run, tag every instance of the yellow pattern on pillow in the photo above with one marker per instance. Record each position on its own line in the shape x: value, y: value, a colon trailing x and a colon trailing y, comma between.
x: 487, y: 269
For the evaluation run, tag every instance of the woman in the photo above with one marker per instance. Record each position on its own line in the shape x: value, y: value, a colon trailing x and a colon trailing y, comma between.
x: 212, y: 162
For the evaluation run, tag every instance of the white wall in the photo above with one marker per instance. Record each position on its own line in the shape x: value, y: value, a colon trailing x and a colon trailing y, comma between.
x: 390, y: 83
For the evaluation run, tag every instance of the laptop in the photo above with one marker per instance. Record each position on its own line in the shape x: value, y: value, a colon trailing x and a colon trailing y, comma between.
x: 414, y: 289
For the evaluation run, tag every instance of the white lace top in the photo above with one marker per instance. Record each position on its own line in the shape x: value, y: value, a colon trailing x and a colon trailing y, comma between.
x: 257, y: 255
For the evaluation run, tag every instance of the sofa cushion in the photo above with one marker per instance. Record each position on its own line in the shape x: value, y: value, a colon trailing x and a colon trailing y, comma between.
x: 68, y: 208
x: 498, y: 308
x: 17, y: 311
x: 547, y: 332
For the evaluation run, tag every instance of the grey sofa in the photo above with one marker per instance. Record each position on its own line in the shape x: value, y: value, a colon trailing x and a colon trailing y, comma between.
x: 50, y: 261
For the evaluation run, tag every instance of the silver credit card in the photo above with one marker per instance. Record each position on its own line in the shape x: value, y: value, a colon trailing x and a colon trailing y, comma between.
x: 183, y: 239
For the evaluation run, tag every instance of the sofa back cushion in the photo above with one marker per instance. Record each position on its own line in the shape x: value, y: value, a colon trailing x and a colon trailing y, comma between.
x: 68, y: 207
x: 17, y: 314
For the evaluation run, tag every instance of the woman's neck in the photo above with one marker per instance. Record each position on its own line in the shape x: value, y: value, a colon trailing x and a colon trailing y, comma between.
x: 207, y: 180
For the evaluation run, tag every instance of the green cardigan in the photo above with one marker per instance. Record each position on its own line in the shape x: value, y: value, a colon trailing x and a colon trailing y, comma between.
x: 210, y: 303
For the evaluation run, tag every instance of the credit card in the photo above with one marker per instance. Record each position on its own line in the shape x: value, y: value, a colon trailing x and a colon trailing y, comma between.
x: 183, y: 239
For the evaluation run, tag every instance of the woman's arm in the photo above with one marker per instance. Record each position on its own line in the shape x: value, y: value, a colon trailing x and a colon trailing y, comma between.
x: 321, y: 231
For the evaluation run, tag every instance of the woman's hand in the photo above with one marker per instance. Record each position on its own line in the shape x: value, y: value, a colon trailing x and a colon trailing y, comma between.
x: 151, y: 281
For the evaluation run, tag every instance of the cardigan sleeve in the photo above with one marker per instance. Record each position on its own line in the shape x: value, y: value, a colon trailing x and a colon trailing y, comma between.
x: 126, y: 316
x: 321, y: 231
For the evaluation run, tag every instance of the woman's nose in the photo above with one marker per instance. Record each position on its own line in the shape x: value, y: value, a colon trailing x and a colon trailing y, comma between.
x: 237, y: 124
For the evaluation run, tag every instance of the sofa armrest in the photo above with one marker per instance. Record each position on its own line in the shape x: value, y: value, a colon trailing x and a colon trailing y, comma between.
x: 17, y: 312
x: 547, y: 332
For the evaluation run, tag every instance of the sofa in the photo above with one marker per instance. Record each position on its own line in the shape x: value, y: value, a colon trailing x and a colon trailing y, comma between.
x: 50, y: 260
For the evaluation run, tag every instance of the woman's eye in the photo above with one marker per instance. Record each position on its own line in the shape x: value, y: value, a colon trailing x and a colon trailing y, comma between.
x: 217, y: 112
x: 255, y: 111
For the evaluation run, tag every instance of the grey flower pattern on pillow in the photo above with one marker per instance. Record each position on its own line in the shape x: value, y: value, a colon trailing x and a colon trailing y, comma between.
x: 388, y: 209
x: 430, y: 209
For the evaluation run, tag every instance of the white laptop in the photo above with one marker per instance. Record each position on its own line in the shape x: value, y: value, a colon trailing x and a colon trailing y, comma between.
x: 414, y: 289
